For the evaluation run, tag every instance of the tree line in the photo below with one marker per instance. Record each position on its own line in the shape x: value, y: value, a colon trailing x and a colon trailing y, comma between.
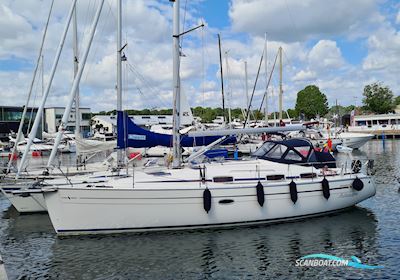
x: 377, y: 99
x: 310, y: 103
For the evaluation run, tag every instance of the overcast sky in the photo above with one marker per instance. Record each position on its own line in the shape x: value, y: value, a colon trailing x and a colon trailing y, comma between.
x: 338, y: 45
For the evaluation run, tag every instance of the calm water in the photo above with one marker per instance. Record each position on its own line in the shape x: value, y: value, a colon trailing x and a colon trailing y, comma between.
x: 31, y: 250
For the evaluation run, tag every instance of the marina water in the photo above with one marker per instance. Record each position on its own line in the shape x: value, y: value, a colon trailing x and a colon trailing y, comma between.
x: 31, y: 249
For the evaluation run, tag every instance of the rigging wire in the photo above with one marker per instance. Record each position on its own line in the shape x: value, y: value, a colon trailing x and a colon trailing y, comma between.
x: 291, y: 17
x: 254, y: 89
x: 183, y: 27
x: 101, y: 31
x: 269, y: 80
x: 147, y: 84
x: 89, y: 15
x: 36, y: 89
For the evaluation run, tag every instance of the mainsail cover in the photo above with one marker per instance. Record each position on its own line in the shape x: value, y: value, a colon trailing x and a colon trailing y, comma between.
x: 87, y: 146
x: 131, y: 135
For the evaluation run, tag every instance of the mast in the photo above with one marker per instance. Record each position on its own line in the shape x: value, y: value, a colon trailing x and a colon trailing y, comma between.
x: 266, y: 77
x: 246, y: 85
x: 46, y: 93
x: 280, y: 84
x: 119, y: 71
x: 176, y: 88
x: 21, y: 123
x: 222, y: 77
x: 64, y: 120
x: 42, y: 94
x: 76, y: 65
x: 229, y: 91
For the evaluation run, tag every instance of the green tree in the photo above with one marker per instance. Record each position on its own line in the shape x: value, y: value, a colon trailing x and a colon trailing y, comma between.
x: 378, y: 98
x: 397, y: 100
x: 292, y: 113
x: 311, y: 102
x: 339, y: 110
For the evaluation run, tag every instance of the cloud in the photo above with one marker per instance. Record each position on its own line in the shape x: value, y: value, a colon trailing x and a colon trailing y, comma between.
x: 326, y: 54
x: 384, y: 50
x: 304, y: 75
x: 292, y: 20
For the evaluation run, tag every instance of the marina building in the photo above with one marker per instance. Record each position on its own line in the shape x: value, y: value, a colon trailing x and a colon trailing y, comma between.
x: 10, y: 117
x: 108, y: 123
x: 387, y: 124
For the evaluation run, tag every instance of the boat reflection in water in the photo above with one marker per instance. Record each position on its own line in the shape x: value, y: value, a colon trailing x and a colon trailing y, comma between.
x: 241, y: 252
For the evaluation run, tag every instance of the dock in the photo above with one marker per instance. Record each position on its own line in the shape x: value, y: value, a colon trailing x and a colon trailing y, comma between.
x: 3, y: 273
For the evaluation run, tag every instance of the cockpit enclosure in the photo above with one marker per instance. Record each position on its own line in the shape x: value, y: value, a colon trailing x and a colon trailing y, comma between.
x: 295, y: 151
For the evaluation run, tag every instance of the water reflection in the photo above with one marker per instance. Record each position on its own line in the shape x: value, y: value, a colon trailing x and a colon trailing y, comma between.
x: 242, y: 252
x: 31, y: 250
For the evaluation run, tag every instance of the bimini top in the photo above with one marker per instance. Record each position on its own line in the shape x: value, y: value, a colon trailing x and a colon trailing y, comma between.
x: 294, y: 151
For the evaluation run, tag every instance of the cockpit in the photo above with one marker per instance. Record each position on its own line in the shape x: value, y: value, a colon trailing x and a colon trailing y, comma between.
x: 294, y: 151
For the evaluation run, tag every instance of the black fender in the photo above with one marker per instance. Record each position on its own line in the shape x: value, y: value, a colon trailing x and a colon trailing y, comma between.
x: 357, y: 184
x: 293, y: 191
x: 207, y: 200
x: 260, y: 193
x: 325, y: 188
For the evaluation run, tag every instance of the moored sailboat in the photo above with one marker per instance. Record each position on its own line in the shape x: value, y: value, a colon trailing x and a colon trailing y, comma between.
x: 198, y: 193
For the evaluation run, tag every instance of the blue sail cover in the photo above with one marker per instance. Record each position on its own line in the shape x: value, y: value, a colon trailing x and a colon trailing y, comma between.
x: 131, y: 135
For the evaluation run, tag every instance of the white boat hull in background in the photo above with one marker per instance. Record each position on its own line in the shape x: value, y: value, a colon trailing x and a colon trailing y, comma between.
x: 35, y: 148
x: 105, y: 209
x: 29, y: 203
x: 355, y: 140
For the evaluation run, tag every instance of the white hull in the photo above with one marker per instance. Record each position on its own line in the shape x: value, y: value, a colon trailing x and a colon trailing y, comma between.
x: 355, y: 140
x: 34, y: 202
x: 104, y: 210
x: 35, y: 147
x: 31, y: 203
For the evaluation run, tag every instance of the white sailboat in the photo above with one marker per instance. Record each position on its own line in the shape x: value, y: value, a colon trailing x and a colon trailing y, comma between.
x: 205, y: 194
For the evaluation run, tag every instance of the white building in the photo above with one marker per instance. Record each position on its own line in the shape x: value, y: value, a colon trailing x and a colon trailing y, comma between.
x: 108, y: 123
x: 388, y: 124
x: 53, y: 116
x: 104, y: 124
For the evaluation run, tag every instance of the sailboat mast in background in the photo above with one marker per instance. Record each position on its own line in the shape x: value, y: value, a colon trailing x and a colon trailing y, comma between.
x: 177, y: 153
x: 21, y: 124
x: 119, y: 70
x: 280, y: 85
x: 222, y: 78
x: 46, y: 93
x: 266, y: 80
x: 76, y: 65
x: 64, y: 121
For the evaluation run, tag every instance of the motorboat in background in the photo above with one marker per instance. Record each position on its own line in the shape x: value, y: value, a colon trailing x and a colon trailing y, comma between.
x: 354, y: 140
x: 38, y: 146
